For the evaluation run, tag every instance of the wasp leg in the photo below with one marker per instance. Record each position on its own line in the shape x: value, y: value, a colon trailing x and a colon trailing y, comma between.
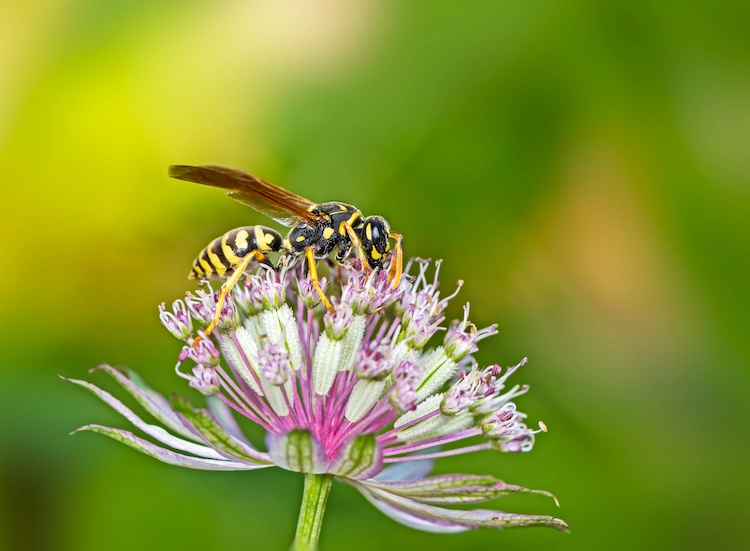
x: 226, y: 289
x: 344, y: 248
x: 314, y: 278
x: 263, y: 259
x: 397, y: 264
x: 358, y: 245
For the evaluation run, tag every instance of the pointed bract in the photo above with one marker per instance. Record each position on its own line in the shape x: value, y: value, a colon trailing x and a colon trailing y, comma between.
x: 298, y: 450
x: 205, y: 425
x: 167, y: 456
x: 361, y: 458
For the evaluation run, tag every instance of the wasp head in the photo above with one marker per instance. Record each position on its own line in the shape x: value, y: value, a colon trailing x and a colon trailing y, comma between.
x: 373, y: 233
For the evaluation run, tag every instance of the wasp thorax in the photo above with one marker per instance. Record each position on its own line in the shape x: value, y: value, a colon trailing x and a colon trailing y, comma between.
x: 303, y: 235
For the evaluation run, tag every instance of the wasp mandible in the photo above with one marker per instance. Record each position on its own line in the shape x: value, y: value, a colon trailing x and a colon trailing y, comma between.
x: 317, y: 229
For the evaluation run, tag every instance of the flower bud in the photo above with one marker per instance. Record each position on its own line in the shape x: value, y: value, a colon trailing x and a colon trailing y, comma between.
x: 205, y: 380
x: 274, y: 363
x: 247, y: 296
x: 503, y: 422
x: 463, y: 336
x: 374, y: 361
x: 308, y: 293
x: 404, y: 395
x: 204, y: 353
x: 202, y: 307
x: 338, y: 321
x: 178, y: 321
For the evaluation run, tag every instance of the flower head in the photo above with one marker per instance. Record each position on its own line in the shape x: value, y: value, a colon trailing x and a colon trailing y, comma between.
x: 354, y: 392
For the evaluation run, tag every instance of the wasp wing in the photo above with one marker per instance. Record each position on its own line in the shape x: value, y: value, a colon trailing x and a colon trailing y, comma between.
x: 275, y: 202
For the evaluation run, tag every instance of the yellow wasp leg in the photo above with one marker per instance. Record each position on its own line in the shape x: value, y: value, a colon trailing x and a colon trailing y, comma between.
x: 358, y: 245
x: 397, y: 264
x: 314, y: 277
x: 226, y: 288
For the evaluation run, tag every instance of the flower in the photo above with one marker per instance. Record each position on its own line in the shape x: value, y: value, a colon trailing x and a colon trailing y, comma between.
x: 353, y: 393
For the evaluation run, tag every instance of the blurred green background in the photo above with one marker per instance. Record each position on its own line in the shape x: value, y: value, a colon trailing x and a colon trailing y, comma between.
x: 583, y: 166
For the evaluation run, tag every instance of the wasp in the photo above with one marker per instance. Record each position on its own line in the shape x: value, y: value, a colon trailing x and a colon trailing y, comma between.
x: 317, y: 229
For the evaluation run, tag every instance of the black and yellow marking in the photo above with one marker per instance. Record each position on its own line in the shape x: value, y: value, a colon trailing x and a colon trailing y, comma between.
x: 229, y: 256
x: 351, y: 222
x: 226, y: 288
x: 316, y: 230
x: 221, y: 257
x: 310, y: 257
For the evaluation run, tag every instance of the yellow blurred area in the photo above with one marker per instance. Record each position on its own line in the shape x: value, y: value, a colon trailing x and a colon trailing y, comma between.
x: 89, y: 135
x: 583, y: 166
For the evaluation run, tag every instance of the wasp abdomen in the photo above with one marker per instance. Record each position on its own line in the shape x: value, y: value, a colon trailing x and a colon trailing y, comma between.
x: 221, y: 256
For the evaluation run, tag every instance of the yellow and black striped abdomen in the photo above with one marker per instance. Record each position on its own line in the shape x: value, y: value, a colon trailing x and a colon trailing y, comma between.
x: 222, y: 255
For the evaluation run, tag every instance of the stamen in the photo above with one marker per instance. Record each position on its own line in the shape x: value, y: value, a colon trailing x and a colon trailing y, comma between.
x: 429, y: 443
x: 436, y: 455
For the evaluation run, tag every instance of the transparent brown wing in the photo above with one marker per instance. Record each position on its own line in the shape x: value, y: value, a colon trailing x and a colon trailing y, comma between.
x: 275, y: 202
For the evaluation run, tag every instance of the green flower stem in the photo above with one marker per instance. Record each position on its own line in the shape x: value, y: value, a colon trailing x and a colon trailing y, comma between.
x: 314, y: 498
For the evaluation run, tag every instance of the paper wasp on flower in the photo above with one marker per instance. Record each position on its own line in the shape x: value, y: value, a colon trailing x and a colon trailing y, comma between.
x: 355, y: 394
x: 316, y: 231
